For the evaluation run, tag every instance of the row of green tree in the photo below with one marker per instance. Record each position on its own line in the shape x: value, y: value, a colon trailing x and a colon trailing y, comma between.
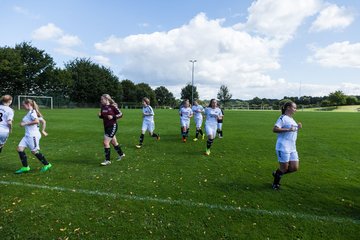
x: 337, y: 98
x: 26, y: 70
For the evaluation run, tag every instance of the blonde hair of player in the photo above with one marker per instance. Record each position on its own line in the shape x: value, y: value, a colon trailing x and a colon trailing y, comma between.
x: 111, y: 101
x: 34, y: 105
x: 146, y: 100
x: 6, y: 99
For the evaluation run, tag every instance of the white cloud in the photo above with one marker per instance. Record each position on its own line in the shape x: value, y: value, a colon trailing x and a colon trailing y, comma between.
x: 69, y: 40
x: 47, y: 32
x: 224, y: 56
x: 241, y: 56
x: 25, y: 12
x: 102, y: 60
x: 332, y: 17
x: 339, y: 54
x: 350, y: 88
x: 21, y: 10
x: 65, y: 42
x: 279, y: 19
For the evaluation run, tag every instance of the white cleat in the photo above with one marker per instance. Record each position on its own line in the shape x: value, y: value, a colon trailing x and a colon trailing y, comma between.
x: 105, y: 163
x: 120, y: 157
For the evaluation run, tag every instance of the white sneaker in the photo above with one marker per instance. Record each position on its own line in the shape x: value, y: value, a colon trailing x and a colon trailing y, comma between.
x: 120, y: 157
x: 105, y: 163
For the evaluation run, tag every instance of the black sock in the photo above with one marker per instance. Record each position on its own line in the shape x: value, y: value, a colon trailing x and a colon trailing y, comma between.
x: 23, y: 159
x: 209, y: 143
x: 107, y: 154
x: 154, y: 135
x: 183, y: 134
x: 118, y: 150
x: 0, y: 149
x: 41, y: 157
x: 277, y: 177
x: 200, y: 131
x: 197, y: 133
x: 221, y: 133
x: 187, y: 132
x: 141, y: 139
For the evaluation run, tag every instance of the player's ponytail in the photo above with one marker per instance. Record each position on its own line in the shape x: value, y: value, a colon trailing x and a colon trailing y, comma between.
x: 34, y: 105
x: 285, y: 106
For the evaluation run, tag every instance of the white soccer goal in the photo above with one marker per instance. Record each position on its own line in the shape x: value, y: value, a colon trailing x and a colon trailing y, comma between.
x: 42, y: 101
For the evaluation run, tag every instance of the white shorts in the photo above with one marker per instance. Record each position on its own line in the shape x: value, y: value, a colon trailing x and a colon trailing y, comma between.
x: 285, y: 157
x: 3, y: 137
x: 211, y: 130
x: 148, y: 126
x: 198, y: 122
x: 185, y: 123
x: 31, y: 142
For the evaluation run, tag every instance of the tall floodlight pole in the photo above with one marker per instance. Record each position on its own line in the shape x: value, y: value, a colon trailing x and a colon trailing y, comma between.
x: 192, y: 81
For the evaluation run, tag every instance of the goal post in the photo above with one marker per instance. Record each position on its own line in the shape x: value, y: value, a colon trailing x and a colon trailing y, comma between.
x: 42, y: 101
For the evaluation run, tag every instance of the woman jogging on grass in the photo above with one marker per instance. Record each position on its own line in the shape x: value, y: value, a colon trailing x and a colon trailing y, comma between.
x: 198, y: 111
x: 213, y: 114
x: 148, y: 122
x: 286, y: 129
x: 32, y: 137
x: 185, y: 113
x: 6, y: 119
x: 110, y: 113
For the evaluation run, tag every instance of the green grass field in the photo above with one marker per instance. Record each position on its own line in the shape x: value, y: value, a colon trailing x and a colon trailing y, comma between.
x: 170, y: 190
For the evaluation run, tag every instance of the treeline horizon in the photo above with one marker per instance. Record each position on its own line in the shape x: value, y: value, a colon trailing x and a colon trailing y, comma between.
x: 27, y: 70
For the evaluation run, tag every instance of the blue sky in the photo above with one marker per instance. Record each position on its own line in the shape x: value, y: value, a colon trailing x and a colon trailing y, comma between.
x: 263, y: 48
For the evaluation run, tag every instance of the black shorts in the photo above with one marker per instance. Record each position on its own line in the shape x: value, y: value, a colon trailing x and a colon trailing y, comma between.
x: 111, y: 131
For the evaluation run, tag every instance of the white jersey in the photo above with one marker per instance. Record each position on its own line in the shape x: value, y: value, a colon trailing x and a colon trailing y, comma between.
x: 149, y: 117
x: 286, y: 141
x: 6, y: 114
x: 212, y: 115
x: 197, y: 110
x: 185, y: 113
x: 31, y: 130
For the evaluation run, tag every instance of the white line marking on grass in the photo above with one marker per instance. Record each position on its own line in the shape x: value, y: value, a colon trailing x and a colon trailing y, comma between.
x: 188, y: 203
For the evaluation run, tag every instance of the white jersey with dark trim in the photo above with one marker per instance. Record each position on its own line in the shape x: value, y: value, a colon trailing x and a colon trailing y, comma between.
x: 148, y: 113
x: 6, y: 114
x: 197, y: 110
x: 212, y: 115
x: 185, y: 113
x: 31, y: 130
x: 286, y: 141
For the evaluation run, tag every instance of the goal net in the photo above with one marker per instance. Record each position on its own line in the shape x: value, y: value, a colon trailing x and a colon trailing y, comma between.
x: 42, y: 101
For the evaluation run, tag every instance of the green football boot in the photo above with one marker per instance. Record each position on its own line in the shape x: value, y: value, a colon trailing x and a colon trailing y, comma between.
x: 23, y: 170
x: 45, y: 167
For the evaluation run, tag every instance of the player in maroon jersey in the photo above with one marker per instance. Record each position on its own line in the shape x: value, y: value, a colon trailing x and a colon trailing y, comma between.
x: 110, y: 113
